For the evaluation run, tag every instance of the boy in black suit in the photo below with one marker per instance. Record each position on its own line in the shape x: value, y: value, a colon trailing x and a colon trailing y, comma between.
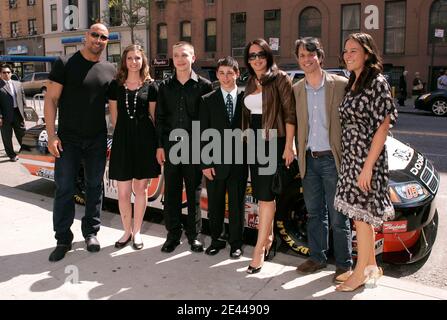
x: 221, y: 110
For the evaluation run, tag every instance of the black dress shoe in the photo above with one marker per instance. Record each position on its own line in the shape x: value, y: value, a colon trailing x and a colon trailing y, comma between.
x: 170, y: 245
x: 138, y: 246
x: 92, y: 244
x: 59, y: 252
x: 120, y: 245
x: 235, y: 253
x: 196, y: 245
x: 215, y: 247
x: 253, y: 270
x: 14, y: 159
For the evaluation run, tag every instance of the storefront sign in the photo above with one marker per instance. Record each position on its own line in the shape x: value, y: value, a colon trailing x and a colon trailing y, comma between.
x: 160, y: 62
x: 17, y: 50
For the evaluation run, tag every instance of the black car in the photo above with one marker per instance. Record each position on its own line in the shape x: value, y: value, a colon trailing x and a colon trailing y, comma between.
x: 435, y: 101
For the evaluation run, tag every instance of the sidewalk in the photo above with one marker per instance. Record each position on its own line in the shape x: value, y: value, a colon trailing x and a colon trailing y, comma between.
x: 26, y: 273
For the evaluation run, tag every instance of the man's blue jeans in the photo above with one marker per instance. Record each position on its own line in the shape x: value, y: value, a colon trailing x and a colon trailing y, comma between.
x: 319, y: 184
x: 92, y: 154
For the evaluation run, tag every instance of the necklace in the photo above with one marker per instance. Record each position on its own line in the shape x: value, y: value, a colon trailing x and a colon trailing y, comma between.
x: 134, y: 109
x: 258, y: 83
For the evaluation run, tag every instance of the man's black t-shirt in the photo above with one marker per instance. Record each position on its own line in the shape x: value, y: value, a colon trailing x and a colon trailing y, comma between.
x: 83, y: 98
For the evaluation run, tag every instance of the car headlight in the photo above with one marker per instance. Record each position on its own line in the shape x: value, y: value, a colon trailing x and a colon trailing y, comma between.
x: 408, y: 192
x: 424, y: 96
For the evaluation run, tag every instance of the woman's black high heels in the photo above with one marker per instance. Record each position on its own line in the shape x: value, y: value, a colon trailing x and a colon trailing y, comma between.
x: 253, y: 270
x: 271, y: 252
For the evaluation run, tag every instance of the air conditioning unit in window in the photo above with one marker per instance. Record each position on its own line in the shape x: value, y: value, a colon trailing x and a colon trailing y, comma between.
x: 32, y: 32
x: 31, y: 2
x: 12, y: 4
x: 15, y: 34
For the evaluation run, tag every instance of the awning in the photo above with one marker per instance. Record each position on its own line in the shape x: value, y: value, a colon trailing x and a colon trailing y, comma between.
x: 14, y: 58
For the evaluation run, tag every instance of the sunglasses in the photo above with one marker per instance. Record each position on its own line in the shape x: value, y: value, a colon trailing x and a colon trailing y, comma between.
x: 254, y: 55
x: 96, y: 35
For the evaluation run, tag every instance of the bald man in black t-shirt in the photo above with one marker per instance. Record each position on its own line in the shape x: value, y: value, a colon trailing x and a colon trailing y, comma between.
x: 77, y: 88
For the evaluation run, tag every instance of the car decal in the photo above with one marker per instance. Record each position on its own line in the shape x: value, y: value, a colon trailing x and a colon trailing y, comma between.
x: 399, y: 154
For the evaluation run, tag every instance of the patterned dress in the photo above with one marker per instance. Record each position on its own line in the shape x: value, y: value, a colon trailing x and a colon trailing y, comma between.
x: 361, y: 115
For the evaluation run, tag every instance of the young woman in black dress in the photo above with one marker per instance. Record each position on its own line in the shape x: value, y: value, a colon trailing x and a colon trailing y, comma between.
x: 132, y: 99
x: 269, y: 104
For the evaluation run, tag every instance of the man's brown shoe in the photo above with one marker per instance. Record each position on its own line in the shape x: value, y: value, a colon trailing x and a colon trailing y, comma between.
x: 310, y: 266
x: 341, y: 275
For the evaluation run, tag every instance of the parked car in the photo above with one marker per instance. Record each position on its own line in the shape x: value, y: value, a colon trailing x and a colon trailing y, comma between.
x: 35, y: 82
x: 413, y: 186
x: 435, y: 101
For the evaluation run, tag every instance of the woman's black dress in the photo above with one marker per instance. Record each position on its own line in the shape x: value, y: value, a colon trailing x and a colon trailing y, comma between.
x: 133, y: 153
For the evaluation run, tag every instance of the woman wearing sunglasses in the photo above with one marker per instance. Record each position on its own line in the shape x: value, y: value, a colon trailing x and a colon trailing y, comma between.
x: 132, y: 99
x: 268, y: 104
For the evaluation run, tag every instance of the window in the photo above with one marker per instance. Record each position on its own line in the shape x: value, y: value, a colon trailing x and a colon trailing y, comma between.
x: 310, y: 23
x: 272, y: 29
x: 116, y: 15
x: 114, y: 52
x: 350, y: 21
x: 31, y: 2
x: 53, y: 17
x: 185, y: 31
x: 41, y: 76
x: 162, y: 38
x: 210, y: 35
x: 14, y: 29
x: 438, y: 19
x: 32, y: 28
x: 12, y: 4
x: 69, y: 50
x: 93, y: 11
x: 209, y: 2
x: 395, y: 12
x: 238, y: 34
x: 28, y: 77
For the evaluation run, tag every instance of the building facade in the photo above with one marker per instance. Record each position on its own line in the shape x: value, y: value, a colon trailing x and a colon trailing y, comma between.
x: 67, y: 21
x: 21, y: 29
x: 403, y: 29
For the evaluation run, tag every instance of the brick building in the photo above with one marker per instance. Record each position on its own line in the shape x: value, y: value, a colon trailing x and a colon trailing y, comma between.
x: 404, y: 30
x: 21, y: 28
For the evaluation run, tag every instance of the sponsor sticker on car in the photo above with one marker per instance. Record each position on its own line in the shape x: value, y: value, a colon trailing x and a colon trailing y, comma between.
x: 394, y: 226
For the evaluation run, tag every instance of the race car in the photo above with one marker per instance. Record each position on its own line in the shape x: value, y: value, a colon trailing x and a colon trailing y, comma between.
x: 413, y: 185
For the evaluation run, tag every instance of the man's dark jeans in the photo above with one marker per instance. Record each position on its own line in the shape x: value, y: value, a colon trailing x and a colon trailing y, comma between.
x: 319, y: 186
x: 92, y: 154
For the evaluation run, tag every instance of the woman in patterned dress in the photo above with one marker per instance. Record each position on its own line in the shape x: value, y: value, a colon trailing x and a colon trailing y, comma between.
x: 132, y: 99
x: 366, y: 113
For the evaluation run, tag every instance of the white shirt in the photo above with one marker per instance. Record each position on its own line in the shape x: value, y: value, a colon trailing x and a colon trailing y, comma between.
x: 253, y: 102
x: 13, y: 91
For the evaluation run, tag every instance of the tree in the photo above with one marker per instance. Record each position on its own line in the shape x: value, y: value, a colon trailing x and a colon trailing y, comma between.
x: 132, y: 12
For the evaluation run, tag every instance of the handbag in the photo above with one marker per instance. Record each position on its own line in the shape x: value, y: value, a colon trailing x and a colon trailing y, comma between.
x: 284, y: 176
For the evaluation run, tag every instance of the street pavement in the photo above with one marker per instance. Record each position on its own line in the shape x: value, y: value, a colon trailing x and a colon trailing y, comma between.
x: 26, y: 273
